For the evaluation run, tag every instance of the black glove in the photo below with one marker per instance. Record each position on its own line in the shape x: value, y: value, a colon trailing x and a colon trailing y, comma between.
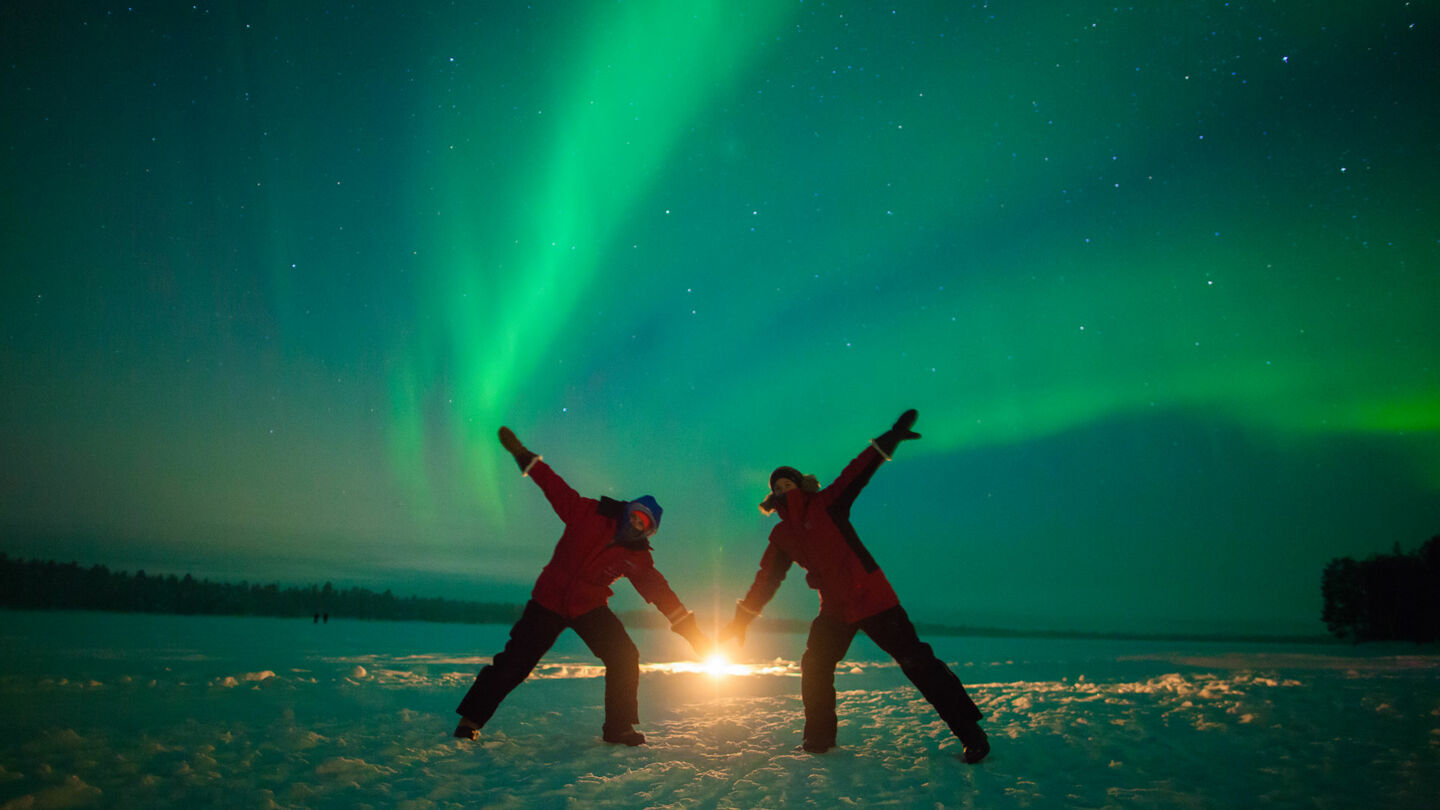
x: 738, y: 625
x: 689, y: 629
x: 886, y: 442
x: 522, y: 456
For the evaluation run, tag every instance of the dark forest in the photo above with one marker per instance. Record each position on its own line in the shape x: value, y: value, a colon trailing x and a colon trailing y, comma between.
x: 1385, y: 597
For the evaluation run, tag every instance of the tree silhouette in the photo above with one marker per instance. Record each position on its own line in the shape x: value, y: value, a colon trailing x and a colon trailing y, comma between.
x: 49, y: 585
x: 1386, y: 597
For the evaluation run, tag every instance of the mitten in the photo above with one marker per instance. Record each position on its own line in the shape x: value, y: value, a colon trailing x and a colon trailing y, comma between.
x: 737, y: 626
x: 689, y: 629
x: 522, y: 456
x: 886, y: 442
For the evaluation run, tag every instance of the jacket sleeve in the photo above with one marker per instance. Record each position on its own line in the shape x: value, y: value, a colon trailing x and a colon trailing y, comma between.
x: 841, y: 493
x: 564, y: 500
x: 653, y: 587
x: 774, y: 565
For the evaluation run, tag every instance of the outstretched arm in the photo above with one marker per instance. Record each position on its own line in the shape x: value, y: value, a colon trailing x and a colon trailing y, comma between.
x: 774, y: 564
x: 562, y: 498
x: 656, y: 590
x: 843, y: 490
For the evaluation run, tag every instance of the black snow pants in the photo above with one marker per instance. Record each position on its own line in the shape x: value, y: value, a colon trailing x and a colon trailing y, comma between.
x: 533, y: 636
x: 892, y: 631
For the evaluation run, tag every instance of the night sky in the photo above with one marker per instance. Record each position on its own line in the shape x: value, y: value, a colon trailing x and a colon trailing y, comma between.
x: 1162, y: 284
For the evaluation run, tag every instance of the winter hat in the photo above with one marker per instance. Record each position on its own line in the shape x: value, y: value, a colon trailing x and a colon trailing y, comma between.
x: 648, y: 505
x: 787, y: 472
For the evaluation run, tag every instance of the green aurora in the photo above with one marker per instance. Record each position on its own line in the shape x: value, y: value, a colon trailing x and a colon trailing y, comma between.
x: 1161, y: 283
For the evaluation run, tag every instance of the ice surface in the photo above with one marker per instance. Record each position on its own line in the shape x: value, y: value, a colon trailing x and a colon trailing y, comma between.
x: 164, y: 711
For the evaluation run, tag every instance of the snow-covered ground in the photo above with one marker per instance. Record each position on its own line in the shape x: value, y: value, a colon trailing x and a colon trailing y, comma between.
x: 164, y: 711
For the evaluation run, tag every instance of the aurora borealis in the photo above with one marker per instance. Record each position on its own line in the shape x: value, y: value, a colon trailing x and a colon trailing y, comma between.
x: 1161, y: 283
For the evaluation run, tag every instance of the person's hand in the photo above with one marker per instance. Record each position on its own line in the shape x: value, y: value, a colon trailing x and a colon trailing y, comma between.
x: 899, y: 432
x: 735, y: 630
x: 737, y: 626
x: 508, y: 440
x: 902, y: 426
x: 689, y: 629
x: 702, y: 645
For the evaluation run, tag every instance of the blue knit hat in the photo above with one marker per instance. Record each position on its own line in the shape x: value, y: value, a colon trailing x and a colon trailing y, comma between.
x: 648, y: 505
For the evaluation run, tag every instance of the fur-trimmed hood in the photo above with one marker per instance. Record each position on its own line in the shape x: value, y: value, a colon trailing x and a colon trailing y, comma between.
x: 808, y: 483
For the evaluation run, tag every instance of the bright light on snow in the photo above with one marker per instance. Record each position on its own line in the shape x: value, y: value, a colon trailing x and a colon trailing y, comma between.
x: 717, y: 665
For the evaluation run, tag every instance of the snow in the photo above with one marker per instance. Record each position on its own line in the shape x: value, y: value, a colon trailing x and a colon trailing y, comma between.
x: 166, y: 711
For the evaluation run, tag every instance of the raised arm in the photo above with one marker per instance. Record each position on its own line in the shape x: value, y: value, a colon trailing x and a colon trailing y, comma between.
x: 563, y: 499
x: 899, y: 432
x: 843, y: 490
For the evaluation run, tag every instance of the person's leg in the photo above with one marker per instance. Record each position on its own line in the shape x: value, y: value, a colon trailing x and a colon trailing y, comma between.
x: 530, y: 638
x: 893, y: 632
x: 829, y: 639
x: 603, y: 633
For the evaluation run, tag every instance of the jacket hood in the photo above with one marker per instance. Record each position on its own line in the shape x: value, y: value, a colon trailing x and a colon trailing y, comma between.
x: 648, y: 505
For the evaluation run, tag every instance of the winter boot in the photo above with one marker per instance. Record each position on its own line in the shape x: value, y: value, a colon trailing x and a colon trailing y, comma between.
x: 817, y: 745
x: 977, y: 745
x: 622, y: 735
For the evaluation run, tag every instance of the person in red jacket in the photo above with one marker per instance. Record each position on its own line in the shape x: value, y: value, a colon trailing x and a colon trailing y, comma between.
x: 815, y: 533
x: 603, y: 541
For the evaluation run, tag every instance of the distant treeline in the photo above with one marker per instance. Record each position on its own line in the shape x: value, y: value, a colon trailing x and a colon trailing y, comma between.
x: 1387, y: 597
x: 48, y: 585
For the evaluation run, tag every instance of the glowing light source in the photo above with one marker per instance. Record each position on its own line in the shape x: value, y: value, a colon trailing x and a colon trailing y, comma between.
x: 717, y: 664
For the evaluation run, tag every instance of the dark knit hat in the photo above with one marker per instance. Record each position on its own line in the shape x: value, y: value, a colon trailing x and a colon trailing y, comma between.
x: 787, y: 472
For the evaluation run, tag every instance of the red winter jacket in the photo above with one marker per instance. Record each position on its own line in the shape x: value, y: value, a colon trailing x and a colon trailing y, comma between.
x: 587, y: 558
x: 815, y: 532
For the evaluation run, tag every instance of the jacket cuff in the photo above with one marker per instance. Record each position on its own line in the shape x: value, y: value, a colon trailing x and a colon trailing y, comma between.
x: 678, y: 615
x: 740, y: 603
x: 536, y: 460
x: 878, y: 450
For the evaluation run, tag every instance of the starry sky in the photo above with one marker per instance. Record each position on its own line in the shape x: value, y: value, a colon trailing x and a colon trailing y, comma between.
x: 1161, y: 280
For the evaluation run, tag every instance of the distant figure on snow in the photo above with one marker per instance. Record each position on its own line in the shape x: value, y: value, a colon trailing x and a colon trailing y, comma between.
x: 603, y: 541
x: 815, y: 532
